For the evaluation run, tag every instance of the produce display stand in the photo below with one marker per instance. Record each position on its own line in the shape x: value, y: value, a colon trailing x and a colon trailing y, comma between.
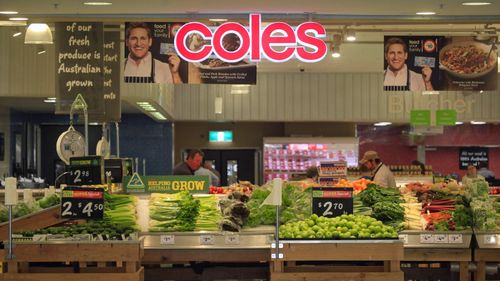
x: 436, y: 246
x: 209, y: 255
x: 74, y: 261
x: 332, y: 260
x: 487, y: 251
x: 41, y: 219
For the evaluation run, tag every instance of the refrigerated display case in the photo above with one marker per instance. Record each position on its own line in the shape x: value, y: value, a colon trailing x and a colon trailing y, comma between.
x: 285, y: 157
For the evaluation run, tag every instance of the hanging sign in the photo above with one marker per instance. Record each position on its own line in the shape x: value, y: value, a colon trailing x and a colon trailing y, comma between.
x: 86, y: 170
x: 79, y: 66
x: 165, y: 184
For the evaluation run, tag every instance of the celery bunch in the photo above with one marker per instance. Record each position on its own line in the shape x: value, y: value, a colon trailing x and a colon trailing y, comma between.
x: 210, y: 215
x: 120, y: 209
x: 173, y: 212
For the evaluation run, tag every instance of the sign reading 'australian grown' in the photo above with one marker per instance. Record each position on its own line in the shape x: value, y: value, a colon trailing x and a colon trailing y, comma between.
x: 79, y: 65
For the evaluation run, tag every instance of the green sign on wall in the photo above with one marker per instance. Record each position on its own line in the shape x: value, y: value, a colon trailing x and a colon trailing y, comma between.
x: 446, y: 117
x: 165, y: 184
x: 420, y: 117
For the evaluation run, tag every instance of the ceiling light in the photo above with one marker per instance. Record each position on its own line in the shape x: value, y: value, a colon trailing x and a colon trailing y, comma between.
x: 158, y: 116
x: 51, y: 98
x: 430, y: 92
x: 382, y: 124
x: 218, y: 105
x: 18, y: 19
x: 98, y: 3
x: 217, y: 20
x: 240, y: 89
x: 42, y: 51
x: 350, y: 35
x: 49, y: 101
x: 38, y: 33
x: 425, y: 13
x: 476, y: 3
x: 335, y: 51
x: 8, y: 13
x: 17, y: 34
x: 458, y: 123
x: 477, y: 122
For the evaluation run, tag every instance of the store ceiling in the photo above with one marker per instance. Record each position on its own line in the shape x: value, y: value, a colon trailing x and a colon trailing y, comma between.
x: 36, y: 105
x: 371, y: 19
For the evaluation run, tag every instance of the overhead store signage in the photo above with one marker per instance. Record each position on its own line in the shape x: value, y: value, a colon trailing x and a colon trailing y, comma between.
x: 420, y: 118
x: 332, y: 202
x: 446, y: 117
x: 165, y: 184
x: 112, y: 104
x: 79, y: 66
x: 476, y: 156
x: 277, y: 41
x: 220, y: 136
x: 439, y: 63
x: 150, y: 57
x: 82, y: 203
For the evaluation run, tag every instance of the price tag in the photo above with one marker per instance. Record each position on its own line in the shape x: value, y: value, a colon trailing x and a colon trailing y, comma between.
x: 82, y: 203
x: 455, y: 238
x: 336, y: 169
x: 233, y: 239
x: 490, y: 239
x: 207, y: 239
x: 332, y: 201
x: 404, y: 238
x: 440, y: 238
x: 426, y: 238
x: 86, y: 170
x: 114, y: 168
x: 167, y: 240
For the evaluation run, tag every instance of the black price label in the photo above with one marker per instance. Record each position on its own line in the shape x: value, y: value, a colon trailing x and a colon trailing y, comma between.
x: 86, y: 170
x: 82, y: 203
x: 332, y: 202
x: 114, y: 169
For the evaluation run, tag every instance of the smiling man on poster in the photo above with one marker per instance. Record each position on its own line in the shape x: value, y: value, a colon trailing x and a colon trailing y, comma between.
x: 397, y: 76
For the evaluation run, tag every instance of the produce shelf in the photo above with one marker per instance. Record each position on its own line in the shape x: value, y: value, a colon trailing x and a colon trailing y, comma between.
x: 318, y: 260
x: 93, y: 260
x: 487, y: 251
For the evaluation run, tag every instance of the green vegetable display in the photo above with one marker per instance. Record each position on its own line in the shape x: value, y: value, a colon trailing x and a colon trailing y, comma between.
x: 173, y: 212
x: 296, y: 205
x: 483, y: 213
x: 387, y: 211
x: 119, y: 210
x: 105, y: 228
x: 342, y: 227
x: 359, y: 208
x: 49, y: 201
x: 374, y: 194
x: 210, y: 215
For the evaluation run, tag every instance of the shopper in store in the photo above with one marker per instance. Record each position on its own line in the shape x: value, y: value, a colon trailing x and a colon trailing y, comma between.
x: 312, y: 174
x: 191, y: 164
x: 214, y: 180
x: 486, y: 173
x: 141, y: 66
x: 381, y: 174
x: 209, y: 164
x: 397, y: 76
x: 471, y: 175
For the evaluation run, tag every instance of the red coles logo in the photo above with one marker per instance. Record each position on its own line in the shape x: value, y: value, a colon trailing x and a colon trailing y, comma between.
x: 195, y: 41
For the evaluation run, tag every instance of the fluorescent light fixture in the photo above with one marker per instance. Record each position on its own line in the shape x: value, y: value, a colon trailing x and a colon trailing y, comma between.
x: 430, y: 92
x: 158, y: 116
x: 476, y: 3
x: 97, y: 3
x: 217, y: 20
x: 42, y: 51
x: 38, y: 33
x: 17, y: 34
x: 425, y: 13
x: 49, y: 101
x: 382, y: 124
x: 218, y: 105
x: 477, y: 122
x: 458, y: 123
x: 336, y: 51
x: 240, y: 89
x: 18, y: 19
x: 142, y: 103
x: 51, y: 98
x: 8, y: 13
x: 350, y: 35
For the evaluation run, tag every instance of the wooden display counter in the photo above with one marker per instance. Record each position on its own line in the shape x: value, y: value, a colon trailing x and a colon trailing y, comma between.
x: 462, y: 256
x: 483, y: 256
x: 360, y: 260
x: 74, y: 261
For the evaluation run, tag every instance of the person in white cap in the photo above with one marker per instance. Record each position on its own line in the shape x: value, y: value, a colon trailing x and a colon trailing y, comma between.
x: 381, y: 174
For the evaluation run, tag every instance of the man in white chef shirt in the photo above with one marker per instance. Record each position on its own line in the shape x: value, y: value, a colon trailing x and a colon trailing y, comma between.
x: 140, y: 66
x: 397, y: 72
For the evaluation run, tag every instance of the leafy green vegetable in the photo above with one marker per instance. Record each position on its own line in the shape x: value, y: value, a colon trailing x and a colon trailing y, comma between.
x: 375, y: 193
x: 387, y: 211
